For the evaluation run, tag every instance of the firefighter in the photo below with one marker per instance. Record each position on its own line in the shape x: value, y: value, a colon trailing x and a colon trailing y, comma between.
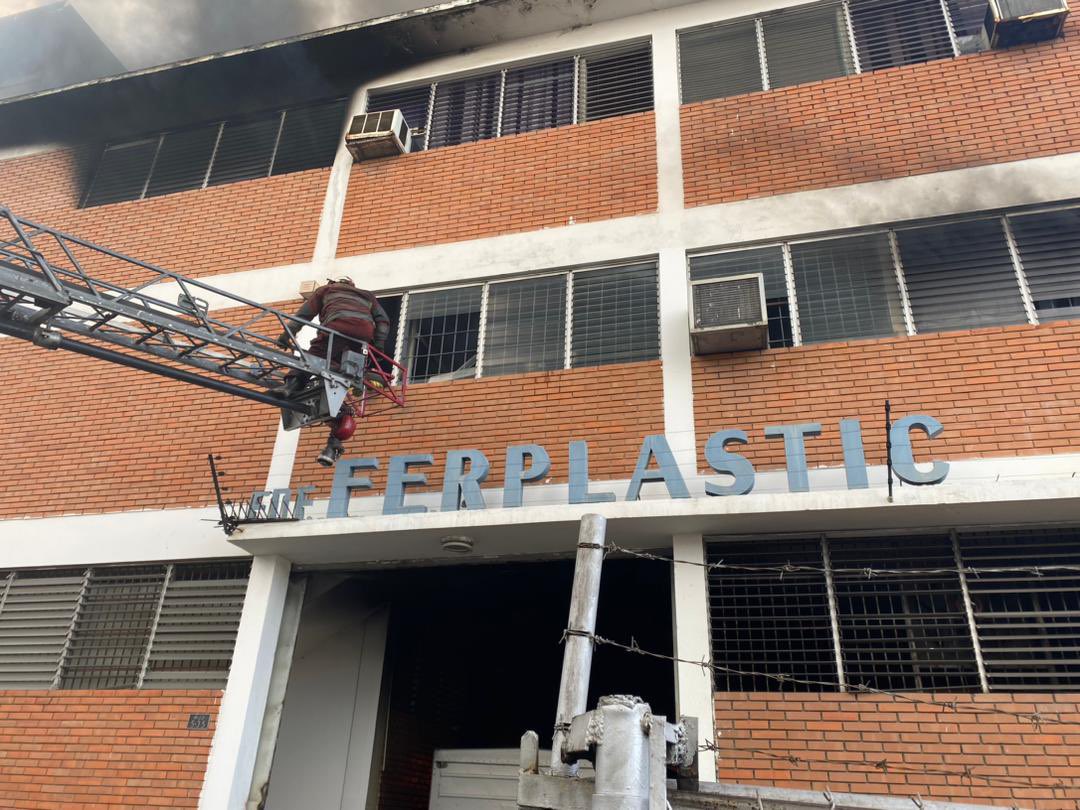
x: 353, y: 312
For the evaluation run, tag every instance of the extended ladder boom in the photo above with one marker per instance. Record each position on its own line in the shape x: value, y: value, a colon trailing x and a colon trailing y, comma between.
x: 60, y: 291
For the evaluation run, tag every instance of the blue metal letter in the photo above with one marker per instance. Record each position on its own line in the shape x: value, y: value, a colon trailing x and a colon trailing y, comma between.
x: 345, y: 484
x: 517, y: 474
x: 303, y: 500
x: 398, y: 477
x: 795, y: 450
x: 279, y: 502
x: 579, y: 477
x: 903, y: 457
x: 731, y: 463
x: 854, y: 457
x: 460, y: 486
x: 667, y: 470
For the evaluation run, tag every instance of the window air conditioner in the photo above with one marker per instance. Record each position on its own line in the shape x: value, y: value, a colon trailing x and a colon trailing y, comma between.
x: 378, y: 134
x: 1017, y: 22
x: 729, y: 314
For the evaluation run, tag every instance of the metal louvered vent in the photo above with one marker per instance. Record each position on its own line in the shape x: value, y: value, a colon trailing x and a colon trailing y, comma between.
x: 1028, y: 623
x: 36, y: 614
x: 245, y: 150
x: 806, y: 45
x: 729, y: 314
x: 526, y: 326
x: 960, y: 276
x: 309, y: 137
x: 891, y: 33
x: 615, y: 316
x: 465, y: 110
x: 719, y: 61
x: 122, y: 172
x: 538, y: 97
x: 183, y: 160
x: 762, y: 623
x: 195, y: 632
x: 616, y: 80
x: 120, y: 627
x: 902, y: 632
x: 113, y: 628
x: 1049, y: 248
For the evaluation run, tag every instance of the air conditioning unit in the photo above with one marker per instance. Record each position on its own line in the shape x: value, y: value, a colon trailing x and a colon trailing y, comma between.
x: 378, y: 134
x: 1018, y: 22
x: 729, y: 314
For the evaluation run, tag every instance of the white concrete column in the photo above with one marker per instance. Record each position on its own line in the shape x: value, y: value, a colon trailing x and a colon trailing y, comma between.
x: 239, y: 724
x: 693, y: 642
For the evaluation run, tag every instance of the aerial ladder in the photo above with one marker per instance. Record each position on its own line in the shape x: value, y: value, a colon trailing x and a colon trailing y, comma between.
x: 62, y: 292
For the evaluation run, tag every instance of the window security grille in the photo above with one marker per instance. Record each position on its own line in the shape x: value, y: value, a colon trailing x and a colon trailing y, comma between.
x: 1049, y: 248
x: 902, y: 631
x: 957, y: 274
x: 613, y: 315
x: 442, y: 332
x: 598, y: 83
x: 810, y: 43
x: 526, y: 326
x: 120, y: 627
x: 225, y: 152
x: 768, y: 261
x: 960, y: 275
x: 846, y: 288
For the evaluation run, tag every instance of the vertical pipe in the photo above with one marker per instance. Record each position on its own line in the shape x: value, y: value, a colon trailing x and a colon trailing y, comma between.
x: 888, y: 444
x: 969, y: 610
x: 578, y: 650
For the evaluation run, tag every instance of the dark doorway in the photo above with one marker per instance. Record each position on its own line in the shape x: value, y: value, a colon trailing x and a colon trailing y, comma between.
x: 475, y: 657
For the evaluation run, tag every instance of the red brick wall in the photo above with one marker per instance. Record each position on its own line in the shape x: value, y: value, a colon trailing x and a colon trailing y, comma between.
x: 840, y: 742
x: 1004, y: 391
x: 121, y: 750
x: 82, y: 435
x: 612, y: 407
x: 544, y: 179
x: 226, y: 228
x: 950, y: 114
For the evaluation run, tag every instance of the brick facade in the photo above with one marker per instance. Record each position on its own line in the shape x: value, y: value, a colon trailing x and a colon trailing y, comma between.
x: 612, y: 407
x: 1005, y: 391
x: 221, y: 229
x: 80, y: 435
x: 546, y: 179
x: 879, y: 744
x: 950, y: 114
x: 121, y: 750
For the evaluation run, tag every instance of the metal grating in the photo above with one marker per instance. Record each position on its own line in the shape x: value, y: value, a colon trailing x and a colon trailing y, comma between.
x: 442, y: 333
x: 615, y: 316
x: 960, y: 276
x: 538, y: 97
x: 122, y: 172
x: 36, y: 615
x: 183, y: 160
x: 847, y: 288
x: 245, y: 150
x: 727, y: 302
x: 902, y: 632
x: 891, y: 33
x: 1028, y: 623
x: 309, y: 137
x: 526, y: 326
x: 762, y: 623
x: 465, y: 110
x: 719, y: 61
x: 616, y: 80
x: 109, y: 639
x: 1049, y: 247
x: 193, y: 641
x: 807, y: 45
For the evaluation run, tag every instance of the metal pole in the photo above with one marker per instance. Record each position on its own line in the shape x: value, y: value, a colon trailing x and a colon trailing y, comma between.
x: 578, y: 652
x: 888, y: 444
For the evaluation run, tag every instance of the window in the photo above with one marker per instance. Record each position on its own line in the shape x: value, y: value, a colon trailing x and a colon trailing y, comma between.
x: 812, y: 42
x: 768, y: 261
x: 442, y: 330
x: 158, y: 626
x: 1049, y: 248
x: 599, y: 83
x: 612, y: 312
x: 224, y: 152
x: 846, y: 288
x: 960, y: 275
x: 902, y: 620
x: 957, y: 274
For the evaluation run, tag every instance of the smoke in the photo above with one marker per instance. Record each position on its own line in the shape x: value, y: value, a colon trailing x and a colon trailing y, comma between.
x: 148, y: 33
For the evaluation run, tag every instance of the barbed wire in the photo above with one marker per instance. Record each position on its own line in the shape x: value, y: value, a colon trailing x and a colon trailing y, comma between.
x: 865, y: 572
x: 884, y: 766
x: 1037, y: 719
